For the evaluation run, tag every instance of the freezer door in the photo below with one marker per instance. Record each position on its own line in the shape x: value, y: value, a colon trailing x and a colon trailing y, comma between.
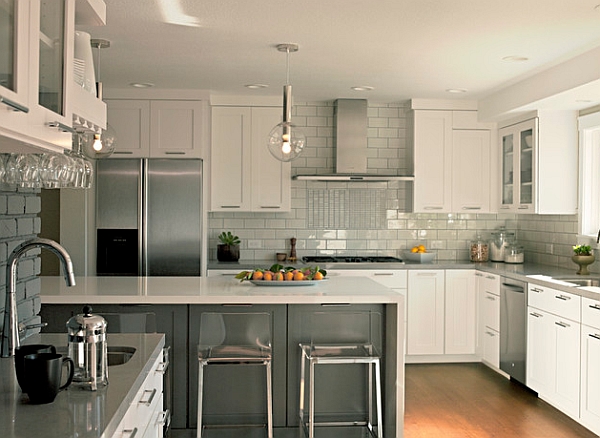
x: 173, y: 219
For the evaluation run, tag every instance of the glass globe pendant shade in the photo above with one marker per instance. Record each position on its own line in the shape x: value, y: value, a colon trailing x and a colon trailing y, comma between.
x: 100, y: 145
x: 286, y: 141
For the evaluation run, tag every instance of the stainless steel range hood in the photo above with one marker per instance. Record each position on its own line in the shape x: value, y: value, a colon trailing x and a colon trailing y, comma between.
x: 350, y: 120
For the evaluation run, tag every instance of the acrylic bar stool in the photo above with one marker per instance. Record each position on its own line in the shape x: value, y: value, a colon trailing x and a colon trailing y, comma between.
x: 315, y: 353
x: 235, y: 339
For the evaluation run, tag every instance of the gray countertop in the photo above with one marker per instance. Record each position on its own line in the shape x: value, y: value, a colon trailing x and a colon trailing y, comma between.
x: 76, y: 412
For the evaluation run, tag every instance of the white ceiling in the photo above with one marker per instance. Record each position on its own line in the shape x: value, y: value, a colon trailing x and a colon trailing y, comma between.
x: 402, y: 48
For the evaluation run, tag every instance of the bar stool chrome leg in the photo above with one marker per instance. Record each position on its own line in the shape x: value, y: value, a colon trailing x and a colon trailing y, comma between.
x: 269, y: 399
x: 200, y: 391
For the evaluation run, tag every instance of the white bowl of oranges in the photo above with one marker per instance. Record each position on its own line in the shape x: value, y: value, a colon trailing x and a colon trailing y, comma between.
x: 419, y: 254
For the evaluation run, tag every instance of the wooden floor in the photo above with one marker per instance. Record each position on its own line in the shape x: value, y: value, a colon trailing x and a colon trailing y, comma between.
x: 472, y: 401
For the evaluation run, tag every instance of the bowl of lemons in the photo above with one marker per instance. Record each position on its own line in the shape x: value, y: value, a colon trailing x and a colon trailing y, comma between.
x: 419, y: 254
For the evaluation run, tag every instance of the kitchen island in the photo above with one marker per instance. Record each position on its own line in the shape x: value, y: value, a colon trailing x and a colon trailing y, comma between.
x: 182, y: 299
x: 76, y: 412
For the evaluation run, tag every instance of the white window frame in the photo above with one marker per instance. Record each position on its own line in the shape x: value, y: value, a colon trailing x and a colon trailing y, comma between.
x: 589, y: 176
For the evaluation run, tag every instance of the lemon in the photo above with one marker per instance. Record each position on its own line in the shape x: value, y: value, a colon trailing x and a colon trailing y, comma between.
x: 414, y: 249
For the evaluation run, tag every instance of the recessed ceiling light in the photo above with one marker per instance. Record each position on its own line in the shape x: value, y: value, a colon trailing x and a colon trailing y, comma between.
x: 256, y: 86
x: 142, y: 84
x: 456, y: 90
x: 515, y: 58
x: 363, y: 88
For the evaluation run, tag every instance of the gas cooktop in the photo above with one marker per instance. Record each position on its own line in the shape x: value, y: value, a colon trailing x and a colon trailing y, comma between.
x: 350, y: 259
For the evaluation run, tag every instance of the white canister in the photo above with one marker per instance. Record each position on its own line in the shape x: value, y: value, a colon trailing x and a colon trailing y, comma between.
x: 83, y: 62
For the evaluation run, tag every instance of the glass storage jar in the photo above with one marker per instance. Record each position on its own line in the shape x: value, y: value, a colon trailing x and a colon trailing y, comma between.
x: 501, y: 239
x: 479, y: 250
x: 514, y: 254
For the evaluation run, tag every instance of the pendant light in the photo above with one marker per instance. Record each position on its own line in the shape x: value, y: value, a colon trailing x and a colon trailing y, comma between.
x: 100, y: 145
x: 286, y: 141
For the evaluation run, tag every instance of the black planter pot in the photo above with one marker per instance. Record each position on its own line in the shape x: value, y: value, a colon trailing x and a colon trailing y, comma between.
x: 228, y: 253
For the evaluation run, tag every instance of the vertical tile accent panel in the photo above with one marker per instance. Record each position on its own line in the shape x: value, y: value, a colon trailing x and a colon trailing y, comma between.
x: 346, y: 209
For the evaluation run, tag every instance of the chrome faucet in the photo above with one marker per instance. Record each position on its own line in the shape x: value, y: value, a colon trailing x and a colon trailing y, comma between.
x: 10, y: 331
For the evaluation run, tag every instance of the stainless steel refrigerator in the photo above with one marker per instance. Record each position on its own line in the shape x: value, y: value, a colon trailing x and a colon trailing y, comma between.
x: 149, y: 217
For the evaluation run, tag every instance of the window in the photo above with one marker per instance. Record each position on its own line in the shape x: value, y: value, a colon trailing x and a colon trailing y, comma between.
x: 589, y: 175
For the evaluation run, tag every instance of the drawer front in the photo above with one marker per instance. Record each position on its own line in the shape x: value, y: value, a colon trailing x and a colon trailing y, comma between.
x: 491, y: 311
x: 590, y: 312
x: 557, y: 302
x: 394, y: 279
x: 490, y: 283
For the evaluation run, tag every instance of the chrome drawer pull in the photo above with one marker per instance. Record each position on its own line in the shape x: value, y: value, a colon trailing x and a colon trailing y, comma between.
x: 61, y: 127
x: 490, y: 334
x: 490, y: 298
x: 270, y: 206
x: 174, y: 153
x: 478, y: 274
x: 123, y: 152
x: 490, y: 277
x: 149, y: 401
x: 535, y: 289
x: 595, y: 336
x: 132, y: 432
x: 164, y: 418
x: 14, y: 105
x: 562, y: 324
x: 432, y: 208
x: 382, y: 273
x: 562, y: 297
x: 230, y: 206
x: 537, y: 315
x: 595, y: 306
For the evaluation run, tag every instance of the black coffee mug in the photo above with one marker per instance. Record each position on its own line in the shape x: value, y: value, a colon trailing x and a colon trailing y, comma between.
x: 43, y: 372
x: 23, y: 351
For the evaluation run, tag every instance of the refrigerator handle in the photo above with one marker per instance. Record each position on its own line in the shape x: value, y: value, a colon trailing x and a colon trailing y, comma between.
x: 143, y: 217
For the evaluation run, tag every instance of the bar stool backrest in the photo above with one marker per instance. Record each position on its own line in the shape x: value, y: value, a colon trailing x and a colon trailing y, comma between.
x: 235, y: 329
x: 343, y: 327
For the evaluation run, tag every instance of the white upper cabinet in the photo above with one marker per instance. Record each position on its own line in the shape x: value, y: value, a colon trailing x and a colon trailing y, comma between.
x: 433, y: 161
x: 41, y: 104
x: 452, y: 162
x: 244, y: 175
x: 539, y: 164
x: 14, y: 64
x: 471, y: 171
x: 158, y: 128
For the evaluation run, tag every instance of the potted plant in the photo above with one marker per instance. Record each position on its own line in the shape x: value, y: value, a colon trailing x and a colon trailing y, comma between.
x: 583, y: 257
x: 229, y: 248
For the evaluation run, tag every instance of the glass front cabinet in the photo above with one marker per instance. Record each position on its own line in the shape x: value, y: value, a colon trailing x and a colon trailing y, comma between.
x: 14, y: 62
x: 518, y: 144
x: 38, y: 97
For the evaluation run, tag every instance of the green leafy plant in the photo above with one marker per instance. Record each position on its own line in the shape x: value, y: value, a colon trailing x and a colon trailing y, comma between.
x: 582, y: 250
x: 227, y: 238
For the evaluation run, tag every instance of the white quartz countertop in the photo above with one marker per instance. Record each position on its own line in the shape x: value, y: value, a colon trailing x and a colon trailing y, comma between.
x: 211, y: 290
x: 76, y: 412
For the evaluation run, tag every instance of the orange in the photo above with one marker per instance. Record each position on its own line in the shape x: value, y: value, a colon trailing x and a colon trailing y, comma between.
x: 318, y: 276
x: 414, y: 249
x: 268, y: 276
x: 288, y: 276
x: 298, y: 276
x: 278, y: 276
x: 257, y: 275
x: 421, y: 248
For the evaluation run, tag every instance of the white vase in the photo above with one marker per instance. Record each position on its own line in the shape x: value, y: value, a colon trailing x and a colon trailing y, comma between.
x: 83, y: 66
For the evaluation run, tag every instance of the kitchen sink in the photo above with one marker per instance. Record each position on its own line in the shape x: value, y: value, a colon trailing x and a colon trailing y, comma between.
x: 117, y: 354
x: 580, y: 281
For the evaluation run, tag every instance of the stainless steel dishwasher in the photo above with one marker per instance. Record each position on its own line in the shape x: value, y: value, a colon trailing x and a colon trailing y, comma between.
x: 513, y: 328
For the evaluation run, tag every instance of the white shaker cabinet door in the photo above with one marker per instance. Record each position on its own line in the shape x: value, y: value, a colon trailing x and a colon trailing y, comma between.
x: 131, y: 121
x: 433, y: 161
x: 230, y: 149
x: 271, y: 178
x: 460, y: 312
x: 425, y: 330
x: 176, y: 128
x: 590, y: 378
x: 471, y: 171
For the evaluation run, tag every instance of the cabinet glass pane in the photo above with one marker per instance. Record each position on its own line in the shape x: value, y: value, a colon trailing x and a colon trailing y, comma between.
x: 507, y: 169
x: 7, y: 44
x: 526, y: 161
x: 52, y: 30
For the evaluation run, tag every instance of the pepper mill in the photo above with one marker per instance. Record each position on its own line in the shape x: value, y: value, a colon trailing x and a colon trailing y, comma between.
x: 293, y: 257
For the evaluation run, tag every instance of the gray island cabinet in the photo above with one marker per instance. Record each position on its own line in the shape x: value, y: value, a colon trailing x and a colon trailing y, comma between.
x: 178, y: 303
